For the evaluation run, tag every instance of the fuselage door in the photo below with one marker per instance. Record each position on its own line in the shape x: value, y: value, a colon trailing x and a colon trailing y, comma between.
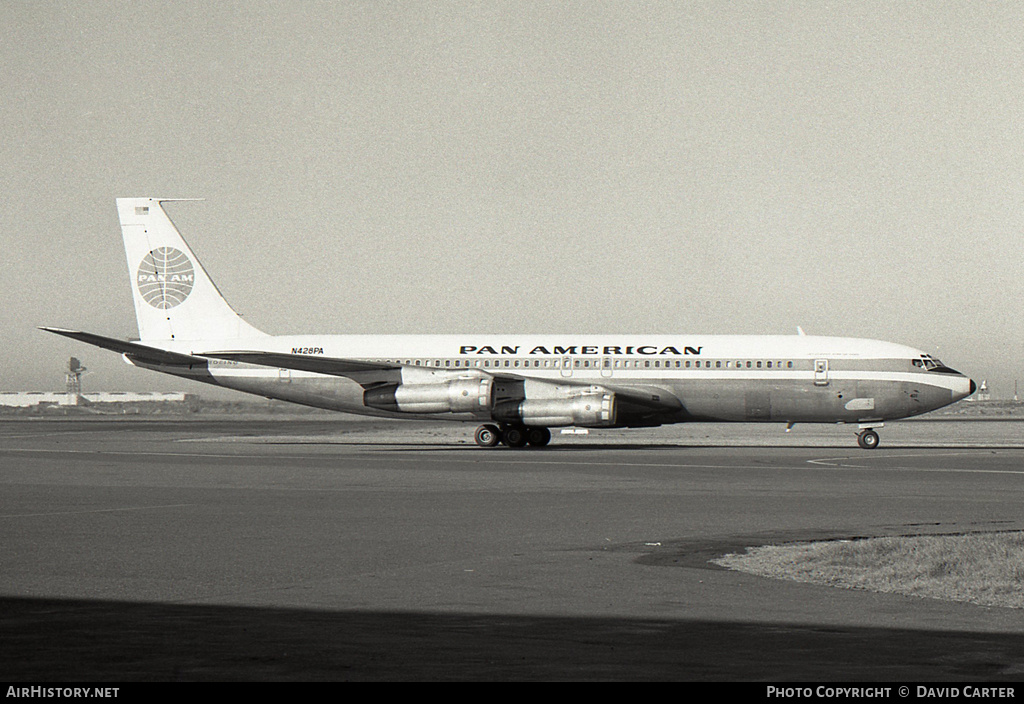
x: 566, y: 366
x: 821, y: 372
x: 606, y: 366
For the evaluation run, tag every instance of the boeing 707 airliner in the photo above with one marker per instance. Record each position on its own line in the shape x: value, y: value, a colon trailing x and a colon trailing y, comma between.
x: 517, y: 387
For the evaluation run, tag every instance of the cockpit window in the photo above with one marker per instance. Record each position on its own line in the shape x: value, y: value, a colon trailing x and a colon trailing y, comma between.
x: 929, y: 363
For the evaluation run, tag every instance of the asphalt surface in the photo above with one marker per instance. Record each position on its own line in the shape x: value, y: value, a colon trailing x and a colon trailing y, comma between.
x: 306, y: 549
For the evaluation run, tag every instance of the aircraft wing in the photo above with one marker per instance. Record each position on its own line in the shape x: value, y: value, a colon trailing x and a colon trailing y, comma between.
x: 132, y: 350
x: 302, y: 362
x: 649, y: 397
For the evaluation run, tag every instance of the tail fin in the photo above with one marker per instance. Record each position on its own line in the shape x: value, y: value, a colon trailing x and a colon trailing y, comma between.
x: 175, y: 299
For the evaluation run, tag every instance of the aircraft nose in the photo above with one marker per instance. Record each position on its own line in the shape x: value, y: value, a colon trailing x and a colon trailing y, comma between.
x: 965, y: 388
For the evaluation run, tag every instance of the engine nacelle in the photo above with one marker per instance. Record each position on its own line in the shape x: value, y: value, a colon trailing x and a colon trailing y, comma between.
x: 588, y: 409
x: 471, y: 395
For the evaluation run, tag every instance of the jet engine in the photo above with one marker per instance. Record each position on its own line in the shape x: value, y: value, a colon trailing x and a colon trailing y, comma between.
x: 593, y: 409
x: 471, y: 395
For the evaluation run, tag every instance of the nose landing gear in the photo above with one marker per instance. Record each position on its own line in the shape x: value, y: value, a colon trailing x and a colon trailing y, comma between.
x: 868, y: 439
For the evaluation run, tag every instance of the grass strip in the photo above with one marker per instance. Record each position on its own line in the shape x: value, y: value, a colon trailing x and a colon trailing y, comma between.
x: 985, y: 568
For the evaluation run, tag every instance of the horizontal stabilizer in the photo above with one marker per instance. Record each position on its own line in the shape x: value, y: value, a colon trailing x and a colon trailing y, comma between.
x: 133, y: 350
x: 301, y: 362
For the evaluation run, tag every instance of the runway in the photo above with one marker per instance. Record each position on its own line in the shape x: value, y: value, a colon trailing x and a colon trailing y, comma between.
x: 307, y: 549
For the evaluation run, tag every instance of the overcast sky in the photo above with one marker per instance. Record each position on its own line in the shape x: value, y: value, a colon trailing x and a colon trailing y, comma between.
x: 854, y: 168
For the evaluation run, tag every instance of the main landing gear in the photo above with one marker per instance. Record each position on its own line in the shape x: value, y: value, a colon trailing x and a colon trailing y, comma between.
x: 511, y: 435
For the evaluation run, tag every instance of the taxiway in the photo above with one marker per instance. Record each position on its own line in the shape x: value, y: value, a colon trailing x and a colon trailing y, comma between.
x: 318, y: 549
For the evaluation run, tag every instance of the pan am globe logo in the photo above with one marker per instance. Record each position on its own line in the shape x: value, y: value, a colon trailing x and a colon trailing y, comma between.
x: 165, y: 277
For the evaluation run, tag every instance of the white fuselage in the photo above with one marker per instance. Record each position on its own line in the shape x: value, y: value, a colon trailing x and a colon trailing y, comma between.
x: 793, y: 378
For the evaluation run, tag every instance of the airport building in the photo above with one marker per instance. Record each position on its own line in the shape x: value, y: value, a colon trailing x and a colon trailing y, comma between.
x: 30, y: 399
x: 72, y: 396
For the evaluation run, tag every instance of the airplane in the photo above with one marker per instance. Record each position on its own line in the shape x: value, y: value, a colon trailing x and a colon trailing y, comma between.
x: 517, y: 387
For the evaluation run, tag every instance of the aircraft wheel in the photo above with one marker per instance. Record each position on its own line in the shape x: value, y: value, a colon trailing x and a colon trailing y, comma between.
x: 538, y: 437
x: 868, y: 439
x: 514, y: 436
x: 487, y: 436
